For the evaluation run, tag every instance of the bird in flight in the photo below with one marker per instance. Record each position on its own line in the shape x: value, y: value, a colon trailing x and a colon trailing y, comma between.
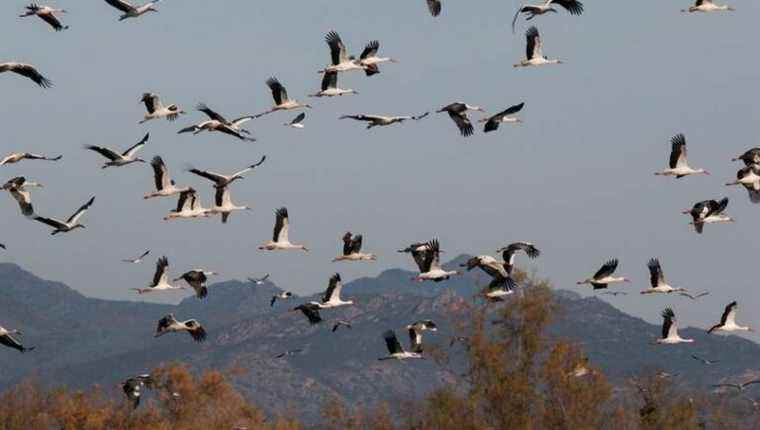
x: 534, y: 52
x: 280, y: 240
x: 728, y: 320
x: 670, y: 329
x: 352, y: 246
x: 707, y: 6
x: 165, y: 186
x: 458, y: 113
x: 7, y: 339
x: 131, y: 11
x: 169, y: 324
x: 603, y: 277
x: 395, y: 350
x: 704, y: 360
x: 72, y: 223
x: 708, y: 212
x: 138, y: 259
x: 259, y: 281
x: 382, y: 120
x: 285, y: 295
x: 132, y: 388
x: 27, y: 71
x: 574, y: 7
x: 47, y: 14
x: 657, y: 281
x: 117, y: 160
x: 296, y: 122
x: 19, y: 156
x: 678, y: 165
x: 156, y: 110
x: 505, y: 116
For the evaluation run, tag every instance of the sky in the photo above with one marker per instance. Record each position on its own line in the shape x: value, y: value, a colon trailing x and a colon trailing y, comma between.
x: 576, y: 177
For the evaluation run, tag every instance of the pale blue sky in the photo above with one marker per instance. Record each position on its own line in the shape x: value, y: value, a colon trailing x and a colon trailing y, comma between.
x: 576, y: 178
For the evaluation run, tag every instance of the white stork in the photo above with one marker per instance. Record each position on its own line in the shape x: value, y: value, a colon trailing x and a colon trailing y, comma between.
x: 223, y: 204
x: 749, y: 178
x: 574, y: 7
x: 749, y: 157
x: 132, y: 387
x: 19, y: 156
x: 370, y: 60
x: 169, y: 324
x: 501, y: 284
x: 458, y: 113
x: 505, y: 116
x: 137, y: 260
x: 281, y: 100
x: 156, y: 110
x: 188, y: 206
x: 7, y: 339
x: 707, y: 6
x: 395, y: 350
x: 221, y: 180
x: 259, y: 281
x: 330, y: 87
x: 165, y: 186
x: 117, y: 160
x: 19, y: 187
x: 670, y: 329
x: 197, y: 279
x: 235, y: 124
x: 657, y: 281
x: 160, y: 279
x: 331, y: 298
x: 728, y: 320
x: 28, y: 71
x: 218, y: 123
x: 415, y: 333
x: 47, y: 14
x: 72, y: 223
x: 708, y: 212
x: 429, y: 263
x: 285, y: 295
x: 508, y: 253
x: 382, y: 120
x: 678, y: 166
x: 310, y: 311
x: 280, y: 240
x: 340, y: 61
x: 352, y: 246
x: 296, y: 122
x: 534, y: 55
x: 434, y: 6
x: 131, y: 11
x: 603, y: 276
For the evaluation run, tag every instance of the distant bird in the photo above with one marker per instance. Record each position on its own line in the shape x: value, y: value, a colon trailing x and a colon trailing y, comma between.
x: 27, y: 71
x: 603, y: 277
x: 280, y: 240
x: 749, y: 157
x: 749, y: 178
x: 352, y: 246
x: 728, y: 320
x: 285, y: 295
x: 501, y: 284
x: 330, y: 88
x: 281, y: 100
x: 340, y: 61
x: 574, y: 7
x: 310, y: 311
x: 188, y: 206
x: 707, y: 6
x: 72, y: 223
x: 615, y: 293
x: 395, y: 350
x: 740, y: 386
x: 117, y: 160
x: 670, y: 329
x: 657, y: 281
x: 331, y: 297
x: 131, y: 11
x: 223, y: 204
x: 380, y: 120
x: 7, y: 339
x: 132, y: 388
x: 214, y: 116
x: 165, y: 186
x: 340, y: 323
x: 138, y: 259
x: 708, y: 212
x: 415, y: 333
x: 296, y: 122
x: 534, y: 53
x: 259, y: 281
x: 694, y: 296
x: 220, y: 124
x: 47, y: 14
x: 678, y: 166
x: 169, y: 324
x: 435, y: 7
x: 221, y: 180
x: 197, y: 279
x: 429, y: 263
x: 458, y: 113
x: 508, y: 253
x: 288, y: 353
x: 505, y: 116
x: 370, y: 60
x: 157, y: 110
x: 160, y: 279
x: 19, y: 156
x: 704, y: 360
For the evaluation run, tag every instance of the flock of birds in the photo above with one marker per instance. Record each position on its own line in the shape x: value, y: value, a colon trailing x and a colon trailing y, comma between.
x: 426, y: 255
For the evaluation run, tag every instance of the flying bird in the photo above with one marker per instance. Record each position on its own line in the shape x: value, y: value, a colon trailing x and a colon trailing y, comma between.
x: 296, y: 122
x: 708, y: 212
x: 157, y: 110
x: 221, y: 180
x: 132, y: 388
x: 603, y: 277
x: 370, y: 60
x: 615, y: 293
x: 749, y: 178
x: 47, y: 14
x: 331, y: 297
x: 670, y: 329
x: 534, y: 55
x: 694, y: 296
x: 740, y: 386
x: 27, y: 71
x: 117, y: 160
x: 19, y: 156
x: 501, y: 284
x: 381, y: 120
x: 395, y: 350
x: 574, y: 7
x: 160, y: 279
x: 508, y: 253
x: 458, y: 113
x: 704, y: 360
x: 280, y: 240
x: 18, y: 188
x: 72, y: 223
x: 131, y: 11
x: 235, y: 124
x: 678, y: 166
x: 310, y: 311
x: 165, y: 186
x: 415, y: 333
x: 340, y: 323
x: 657, y: 281
x: 220, y: 124
x: 138, y: 259
x: 285, y: 295
x: 259, y: 281
x: 330, y: 87
x: 352, y: 246
x: 340, y: 61
x: 429, y: 263
x: 281, y: 100
x: 288, y: 353
x: 7, y: 339
x: 197, y: 279
x: 707, y: 6
x: 749, y: 157
x: 505, y: 116
x: 169, y: 324
x: 434, y: 6
x: 728, y: 320
x: 188, y: 206
x: 223, y: 204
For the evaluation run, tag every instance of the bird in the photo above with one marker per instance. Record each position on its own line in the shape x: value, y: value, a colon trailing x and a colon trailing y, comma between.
x: 169, y: 324
x: 259, y: 281
x: 131, y: 11
x: 72, y: 223
x: 340, y: 61
x: 331, y: 297
x: 310, y: 311
x: 458, y: 113
x: 160, y: 279
x: 47, y: 14
x: 19, y: 156
x: 574, y: 7
x: 340, y: 323
x: 21, y: 183
x: 415, y: 333
x: 369, y: 59
x: 749, y: 178
x: 505, y: 116
x: 670, y: 329
x: 296, y: 122
x: 707, y: 6
x: 2, y: 246
x: 132, y: 388
x: 749, y: 157
x: 534, y: 55
x: 197, y: 278
x: 235, y: 124
x: 603, y: 277
x: 165, y: 186
x: 28, y: 71
x: 678, y: 166
x: 188, y: 206
x: 382, y: 120
x: 156, y: 110
x: 221, y: 180
x: 430, y: 264
x: 218, y: 123
x: 501, y: 283
x: 352, y: 246
x: 615, y: 293
x: 138, y: 259
x: 330, y: 88
x: 18, y: 188
x: 708, y: 212
x: 117, y: 160
x: 395, y: 350
x: 288, y: 353
x: 281, y: 100
x: 508, y: 253
x: 657, y: 281
x: 281, y: 296
x: 7, y: 339
x: 223, y: 204
x: 740, y: 386
x: 704, y: 360
x: 693, y: 296
x: 280, y: 240
x: 728, y: 320
x: 434, y: 6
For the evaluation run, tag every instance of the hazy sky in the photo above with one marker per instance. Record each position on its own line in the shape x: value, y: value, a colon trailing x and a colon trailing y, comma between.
x: 576, y: 178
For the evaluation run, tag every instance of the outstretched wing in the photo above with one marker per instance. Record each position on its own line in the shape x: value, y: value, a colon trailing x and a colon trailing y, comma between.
x: 279, y: 93
x: 121, y: 5
x: 370, y: 50
x: 211, y: 113
x: 78, y: 214
x: 338, y: 53
x: 136, y: 147
x: 607, y: 269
